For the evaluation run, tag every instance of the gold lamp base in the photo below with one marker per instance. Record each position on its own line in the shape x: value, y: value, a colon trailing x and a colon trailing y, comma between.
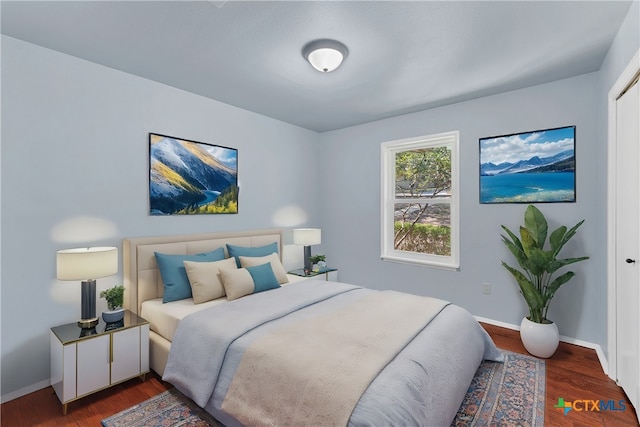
x: 88, y: 323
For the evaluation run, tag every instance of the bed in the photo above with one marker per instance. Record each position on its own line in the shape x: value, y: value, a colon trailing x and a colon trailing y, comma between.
x: 308, y: 351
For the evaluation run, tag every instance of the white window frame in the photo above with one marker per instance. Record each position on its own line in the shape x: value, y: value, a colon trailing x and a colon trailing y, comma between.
x: 389, y: 150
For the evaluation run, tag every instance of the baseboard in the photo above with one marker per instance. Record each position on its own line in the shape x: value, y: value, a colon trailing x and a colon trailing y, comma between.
x: 25, y: 390
x: 598, y: 349
x: 497, y: 323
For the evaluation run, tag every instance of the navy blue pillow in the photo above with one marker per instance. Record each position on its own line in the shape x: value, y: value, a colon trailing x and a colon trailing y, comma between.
x: 238, y: 251
x: 174, y: 275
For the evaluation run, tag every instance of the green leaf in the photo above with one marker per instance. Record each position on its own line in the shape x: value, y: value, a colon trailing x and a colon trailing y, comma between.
x: 569, y: 234
x: 531, y: 295
x: 536, y: 223
x: 556, y: 239
x: 559, y: 263
x: 514, y: 238
x: 555, y: 285
x: 517, y: 252
x: 539, y: 261
x: 528, y: 242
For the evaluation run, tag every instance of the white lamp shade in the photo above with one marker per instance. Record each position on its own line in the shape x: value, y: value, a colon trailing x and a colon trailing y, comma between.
x: 87, y: 263
x: 307, y: 236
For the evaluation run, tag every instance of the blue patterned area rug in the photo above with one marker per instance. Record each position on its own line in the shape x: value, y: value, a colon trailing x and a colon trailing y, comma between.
x: 505, y: 394
x: 168, y: 409
x: 501, y: 394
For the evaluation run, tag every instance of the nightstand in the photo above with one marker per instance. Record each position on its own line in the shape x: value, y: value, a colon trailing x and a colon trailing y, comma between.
x: 329, y: 274
x: 84, y: 361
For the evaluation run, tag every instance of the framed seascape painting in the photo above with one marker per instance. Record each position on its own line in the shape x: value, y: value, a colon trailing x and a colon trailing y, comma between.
x: 190, y: 177
x: 529, y: 167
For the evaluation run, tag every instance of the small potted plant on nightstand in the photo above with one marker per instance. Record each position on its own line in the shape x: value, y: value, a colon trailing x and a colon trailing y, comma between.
x: 115, y: 301
x: 319, y: 262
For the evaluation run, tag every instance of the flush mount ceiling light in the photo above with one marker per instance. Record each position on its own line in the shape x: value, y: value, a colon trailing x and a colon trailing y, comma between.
x: 325, y: 55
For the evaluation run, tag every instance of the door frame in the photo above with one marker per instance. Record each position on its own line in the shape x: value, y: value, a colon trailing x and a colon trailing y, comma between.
x: 621, y: 84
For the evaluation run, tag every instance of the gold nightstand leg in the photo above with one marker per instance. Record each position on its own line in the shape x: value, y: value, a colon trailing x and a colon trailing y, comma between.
x: 143, y: 377
x: 64, y: 409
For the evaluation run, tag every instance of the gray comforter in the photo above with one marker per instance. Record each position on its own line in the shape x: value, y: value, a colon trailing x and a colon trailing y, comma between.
x: 422, y: 386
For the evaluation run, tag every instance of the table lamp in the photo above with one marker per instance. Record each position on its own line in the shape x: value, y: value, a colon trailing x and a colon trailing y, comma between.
x: 87, y: 265
x: 307, y: 237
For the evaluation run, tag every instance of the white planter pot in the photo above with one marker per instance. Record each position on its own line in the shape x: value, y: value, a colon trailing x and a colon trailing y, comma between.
x: 540, y: 339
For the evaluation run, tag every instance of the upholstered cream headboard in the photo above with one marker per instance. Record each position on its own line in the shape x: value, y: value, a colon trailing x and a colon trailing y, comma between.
x: 142, y: 280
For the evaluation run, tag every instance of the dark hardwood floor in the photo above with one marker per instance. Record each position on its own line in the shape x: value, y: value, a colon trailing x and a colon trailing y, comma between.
x: 573, y: 373
x: 42, y: 408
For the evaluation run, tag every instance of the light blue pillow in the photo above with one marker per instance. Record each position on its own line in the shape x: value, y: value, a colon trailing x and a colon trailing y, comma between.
x: 238, y: 251
x: 263, y: 277
x: 174, y: 275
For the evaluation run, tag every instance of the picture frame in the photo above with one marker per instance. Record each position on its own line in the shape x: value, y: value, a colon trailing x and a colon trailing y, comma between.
x: 529, y: 167
x: 188, y: 177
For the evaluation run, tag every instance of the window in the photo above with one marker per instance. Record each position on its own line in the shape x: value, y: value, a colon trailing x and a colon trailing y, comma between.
x: 420, y: 207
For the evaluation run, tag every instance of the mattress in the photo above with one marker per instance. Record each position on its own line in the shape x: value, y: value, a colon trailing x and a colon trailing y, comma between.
x: 164, y: 317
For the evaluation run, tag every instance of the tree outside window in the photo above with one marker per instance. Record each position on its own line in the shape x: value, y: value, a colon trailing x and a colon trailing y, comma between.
x: 420, y: 198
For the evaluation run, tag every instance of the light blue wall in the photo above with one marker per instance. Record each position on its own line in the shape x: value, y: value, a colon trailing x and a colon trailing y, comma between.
x: 351, y: 215
x: 625, y: 45
x: 75, y: 173
x: 621, y: 52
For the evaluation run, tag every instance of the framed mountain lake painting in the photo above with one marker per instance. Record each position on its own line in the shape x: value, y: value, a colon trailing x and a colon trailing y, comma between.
x: 529, y: 167
x: 189, y: 177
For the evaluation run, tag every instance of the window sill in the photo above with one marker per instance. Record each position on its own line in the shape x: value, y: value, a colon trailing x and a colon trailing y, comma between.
x: 425, y: 263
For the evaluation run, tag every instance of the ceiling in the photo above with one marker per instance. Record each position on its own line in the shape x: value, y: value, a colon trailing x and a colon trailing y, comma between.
x: 403, y: 56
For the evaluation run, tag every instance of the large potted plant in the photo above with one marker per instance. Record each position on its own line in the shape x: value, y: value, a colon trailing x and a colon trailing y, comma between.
x: 538, y: 280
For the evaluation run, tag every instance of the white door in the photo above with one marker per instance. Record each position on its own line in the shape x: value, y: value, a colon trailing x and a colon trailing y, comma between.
x: 628, y: 244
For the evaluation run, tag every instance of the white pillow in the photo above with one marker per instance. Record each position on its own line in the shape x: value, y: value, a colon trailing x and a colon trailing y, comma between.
x: 276, y: 265
x: 205, y: 280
